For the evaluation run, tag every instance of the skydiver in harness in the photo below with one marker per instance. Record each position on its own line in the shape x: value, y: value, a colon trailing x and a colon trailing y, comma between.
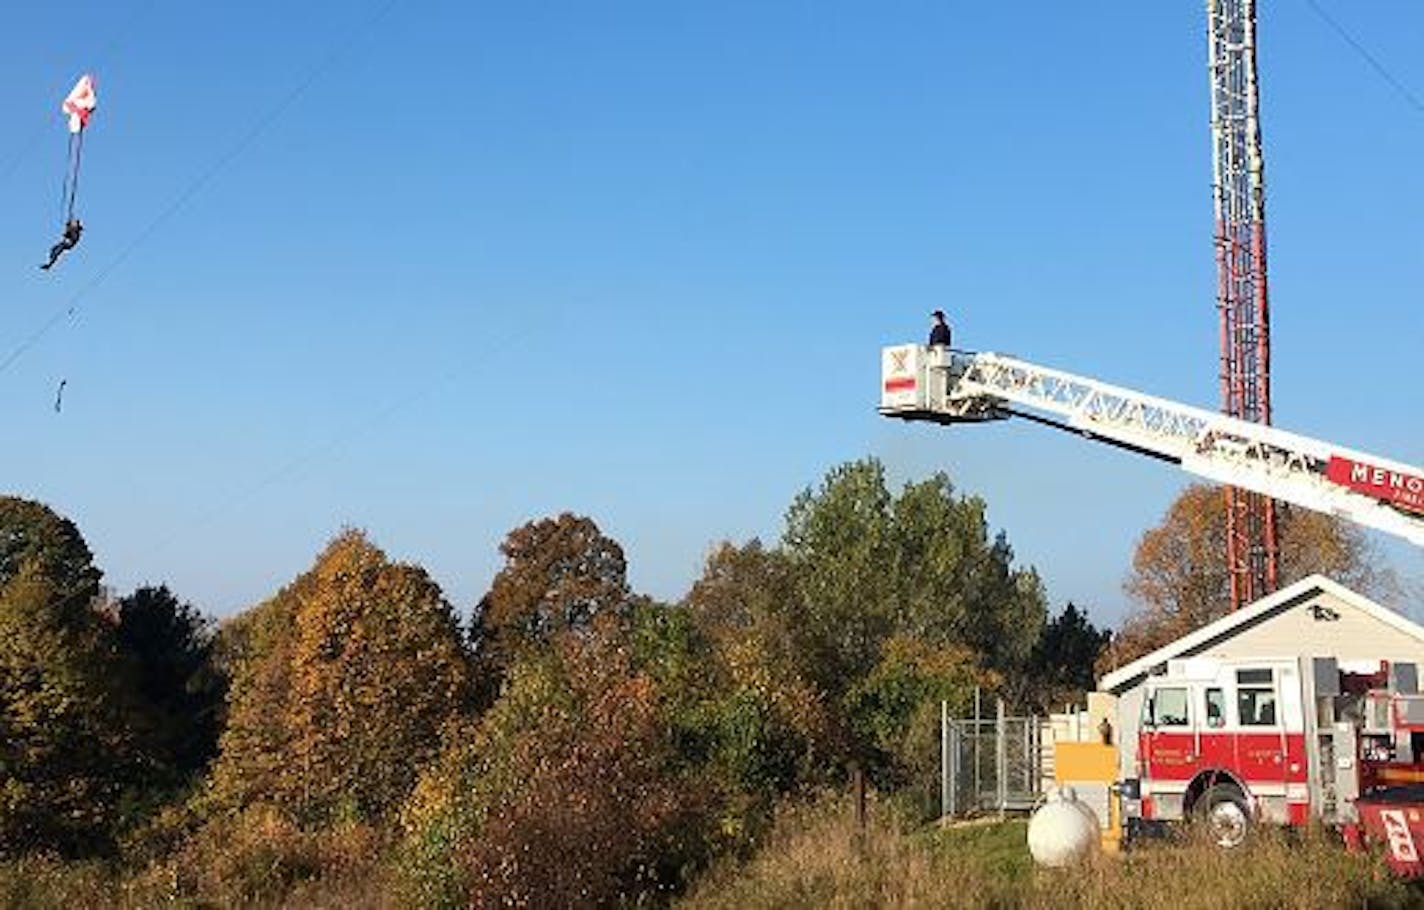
x: 72, y: 230
x: 78, y: 105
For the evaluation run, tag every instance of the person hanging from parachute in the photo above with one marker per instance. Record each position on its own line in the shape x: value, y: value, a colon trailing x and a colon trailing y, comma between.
x: 78, y: 106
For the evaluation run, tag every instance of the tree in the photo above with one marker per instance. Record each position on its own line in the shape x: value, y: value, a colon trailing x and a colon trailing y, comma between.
x: 344, y: 685
x: 254, y: 749
x: 35, y: 536
x: 561, y: 575
x: 1179, y: 581
x: 871, y: 565
x: 169, y: 648
x: 1062, y: 666
x: 66, y: 749
x: 765, y: 725
x: 567, y: 792
x: 876, y: 605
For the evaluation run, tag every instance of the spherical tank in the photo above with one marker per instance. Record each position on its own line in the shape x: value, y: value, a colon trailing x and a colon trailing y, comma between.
x: 1063, y: 831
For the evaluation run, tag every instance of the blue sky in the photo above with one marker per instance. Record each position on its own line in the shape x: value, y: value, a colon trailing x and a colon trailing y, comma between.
x: 436, y: 268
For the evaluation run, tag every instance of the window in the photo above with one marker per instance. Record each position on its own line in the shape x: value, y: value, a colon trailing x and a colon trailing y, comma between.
x: 1253, y: 677
x: 1169, y: 707
x: 1215, y: 708
x: 1256, y: 706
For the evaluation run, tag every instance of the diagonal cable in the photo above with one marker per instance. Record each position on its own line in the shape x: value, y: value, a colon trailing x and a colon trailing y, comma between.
x: 1403, y: 90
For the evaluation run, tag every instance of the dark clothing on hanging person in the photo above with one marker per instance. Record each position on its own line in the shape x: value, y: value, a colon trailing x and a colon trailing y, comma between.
x: 72, y: 230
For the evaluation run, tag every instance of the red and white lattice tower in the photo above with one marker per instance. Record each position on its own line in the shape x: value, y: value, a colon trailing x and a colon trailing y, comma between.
x: 1239, y: 184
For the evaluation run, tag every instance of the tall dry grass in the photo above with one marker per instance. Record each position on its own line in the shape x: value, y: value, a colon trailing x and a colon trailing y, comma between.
x: 256, y: 860
x: 815, y: 859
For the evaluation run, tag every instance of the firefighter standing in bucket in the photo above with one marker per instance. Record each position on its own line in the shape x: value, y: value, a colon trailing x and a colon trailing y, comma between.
x: 939, y: 330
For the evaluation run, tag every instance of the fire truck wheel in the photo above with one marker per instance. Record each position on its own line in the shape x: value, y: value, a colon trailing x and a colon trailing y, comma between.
x: 1223, y: 809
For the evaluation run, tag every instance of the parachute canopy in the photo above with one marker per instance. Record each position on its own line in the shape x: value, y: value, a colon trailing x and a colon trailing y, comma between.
x: 80, y: 103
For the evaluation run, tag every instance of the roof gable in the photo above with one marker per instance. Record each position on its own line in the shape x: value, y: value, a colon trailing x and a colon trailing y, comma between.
x: 1257, y: 612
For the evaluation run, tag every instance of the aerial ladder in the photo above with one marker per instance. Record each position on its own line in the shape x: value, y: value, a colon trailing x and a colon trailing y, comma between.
x: 944, y: 386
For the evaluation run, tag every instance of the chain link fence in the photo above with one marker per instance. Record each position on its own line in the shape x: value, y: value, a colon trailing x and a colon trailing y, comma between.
x: 992, y: 764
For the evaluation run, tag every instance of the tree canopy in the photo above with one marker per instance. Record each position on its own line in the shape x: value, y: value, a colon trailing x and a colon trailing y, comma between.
x: 561, y: 576
x: 343, y: 685
x: 67, y: 749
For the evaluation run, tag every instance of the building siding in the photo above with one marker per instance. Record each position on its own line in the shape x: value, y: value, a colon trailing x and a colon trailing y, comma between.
x: 1321, y: 626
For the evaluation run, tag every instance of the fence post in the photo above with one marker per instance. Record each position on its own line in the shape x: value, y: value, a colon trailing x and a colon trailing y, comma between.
x: 954, y: 769
x: 978, y: 786
x: 1035, y: 783
x: 1001, y: 757
x: 944, y: 804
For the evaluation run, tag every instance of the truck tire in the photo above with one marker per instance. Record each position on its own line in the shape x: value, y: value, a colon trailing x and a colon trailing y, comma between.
x: 1223, y: 811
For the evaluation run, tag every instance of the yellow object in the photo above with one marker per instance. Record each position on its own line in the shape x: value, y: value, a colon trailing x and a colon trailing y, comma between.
x: 1091, y: 769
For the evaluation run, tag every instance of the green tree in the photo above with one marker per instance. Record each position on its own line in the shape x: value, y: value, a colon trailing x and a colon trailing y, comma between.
x: 874, y: 569
x: 168, y: 646
x: 34, y: 536
x: 66, y: 748
x: 1062, y: 666
x: 763, y: 721
x: 922, y: 563
x: 347, y: 680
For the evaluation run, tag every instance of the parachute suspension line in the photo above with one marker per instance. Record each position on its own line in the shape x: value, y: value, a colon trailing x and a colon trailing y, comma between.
x: 76, y: 153
x: 64, y: 197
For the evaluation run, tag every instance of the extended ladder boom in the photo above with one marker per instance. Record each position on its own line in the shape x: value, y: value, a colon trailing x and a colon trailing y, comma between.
x: 937, y: 385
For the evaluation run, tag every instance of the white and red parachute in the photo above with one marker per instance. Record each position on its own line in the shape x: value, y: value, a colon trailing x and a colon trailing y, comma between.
x: 79, y: 104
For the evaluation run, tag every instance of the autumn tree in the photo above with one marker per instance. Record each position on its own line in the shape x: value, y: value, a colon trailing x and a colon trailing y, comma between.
x: 742, y: 705
x: 561, y: 575
x: 343, y: 684
x: 767, y: 724
x: 66, y: 747
x: 255, y: 649
x: 1179, y: 581
x: 569, y: 791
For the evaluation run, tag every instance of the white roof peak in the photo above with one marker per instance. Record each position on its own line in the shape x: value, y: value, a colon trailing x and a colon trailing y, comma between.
x: 1305, y: 588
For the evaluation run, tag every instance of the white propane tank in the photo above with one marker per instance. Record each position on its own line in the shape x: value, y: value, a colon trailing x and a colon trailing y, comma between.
x: 1063, y: 831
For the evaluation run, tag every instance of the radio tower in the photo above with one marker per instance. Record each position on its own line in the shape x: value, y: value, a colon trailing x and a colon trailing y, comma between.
x: 1238, y: 177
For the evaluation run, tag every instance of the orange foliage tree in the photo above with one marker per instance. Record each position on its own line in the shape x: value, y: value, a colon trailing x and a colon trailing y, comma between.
x: 342, y: 686
x: 560, y: 575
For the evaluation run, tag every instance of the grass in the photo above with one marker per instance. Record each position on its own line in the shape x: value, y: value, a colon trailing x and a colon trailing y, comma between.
x: 815, y: 859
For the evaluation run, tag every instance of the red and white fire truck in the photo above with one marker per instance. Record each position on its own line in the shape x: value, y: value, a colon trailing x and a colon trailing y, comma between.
x: 1288, y: 741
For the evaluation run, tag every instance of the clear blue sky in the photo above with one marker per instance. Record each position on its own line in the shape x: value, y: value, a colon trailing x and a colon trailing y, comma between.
x: 636, y: 260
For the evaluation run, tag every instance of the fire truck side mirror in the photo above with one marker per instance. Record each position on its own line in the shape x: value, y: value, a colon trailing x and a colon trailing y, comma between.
x: 1149, y: 713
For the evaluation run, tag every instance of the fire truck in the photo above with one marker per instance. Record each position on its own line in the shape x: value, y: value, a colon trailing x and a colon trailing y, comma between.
x: 1287, y: 740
